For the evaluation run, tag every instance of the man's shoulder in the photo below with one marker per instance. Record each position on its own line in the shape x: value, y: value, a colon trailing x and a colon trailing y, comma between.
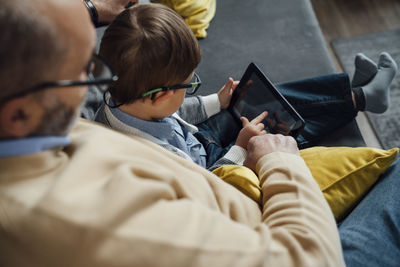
x: 91, y: 131
x: 84, y: 124
x: 93, y: 138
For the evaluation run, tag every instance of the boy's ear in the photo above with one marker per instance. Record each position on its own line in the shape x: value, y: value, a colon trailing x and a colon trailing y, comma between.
x: 162, y: 96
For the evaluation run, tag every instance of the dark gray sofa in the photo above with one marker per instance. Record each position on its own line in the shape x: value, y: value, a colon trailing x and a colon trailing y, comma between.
x: 282, y: 37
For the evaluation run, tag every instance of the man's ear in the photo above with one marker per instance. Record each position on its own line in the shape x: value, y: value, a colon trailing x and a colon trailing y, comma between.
x: 162, y: 96
x: 18, y: 117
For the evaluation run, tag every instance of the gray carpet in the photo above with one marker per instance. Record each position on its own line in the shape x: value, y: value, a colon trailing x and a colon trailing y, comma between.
x: 387, y: 125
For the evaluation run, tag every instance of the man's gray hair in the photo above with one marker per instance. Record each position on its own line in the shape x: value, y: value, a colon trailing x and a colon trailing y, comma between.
x: 30, y: 48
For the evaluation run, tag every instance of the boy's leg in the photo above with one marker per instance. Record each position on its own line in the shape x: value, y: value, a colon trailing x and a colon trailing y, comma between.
x: 374, y: 96
x: 370, y: 234
x: 217, y: 134
x: 325, y: 103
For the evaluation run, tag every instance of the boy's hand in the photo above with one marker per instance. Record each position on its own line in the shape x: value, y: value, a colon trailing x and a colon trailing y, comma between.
x: 225, y: 94
x: 250, y: 129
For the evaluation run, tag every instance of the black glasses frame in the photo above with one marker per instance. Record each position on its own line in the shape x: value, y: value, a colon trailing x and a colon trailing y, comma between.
x: 195, y: 85
x: 91, y: 81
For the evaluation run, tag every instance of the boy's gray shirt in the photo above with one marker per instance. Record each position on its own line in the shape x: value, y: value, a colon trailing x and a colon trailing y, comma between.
x: 192, y: 111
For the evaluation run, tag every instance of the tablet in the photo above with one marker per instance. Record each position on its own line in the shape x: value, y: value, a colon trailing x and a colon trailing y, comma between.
x: 255, y: 94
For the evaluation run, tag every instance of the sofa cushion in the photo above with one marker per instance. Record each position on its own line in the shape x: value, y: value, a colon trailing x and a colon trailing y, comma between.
x: 282, y: 37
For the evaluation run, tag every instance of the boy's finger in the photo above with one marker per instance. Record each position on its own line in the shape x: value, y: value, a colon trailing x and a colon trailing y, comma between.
x: 260, y: 126
x: 244, y: 120
x: 229, y: 83
x: 235, y: 84
x: 260, y: 118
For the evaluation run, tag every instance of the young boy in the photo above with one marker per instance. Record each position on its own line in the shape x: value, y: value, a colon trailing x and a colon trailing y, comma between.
x: 155, y: 54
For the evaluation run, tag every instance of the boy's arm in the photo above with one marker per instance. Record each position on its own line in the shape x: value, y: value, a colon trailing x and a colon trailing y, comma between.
x: 235, y: 156
x: 207, y: 106
x: 199, y: 108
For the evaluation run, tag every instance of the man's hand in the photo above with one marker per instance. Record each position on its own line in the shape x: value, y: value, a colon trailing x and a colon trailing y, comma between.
x: 109, y: 9
x: 262, y: 145
x: 225, y: 94
x: 250, y: 129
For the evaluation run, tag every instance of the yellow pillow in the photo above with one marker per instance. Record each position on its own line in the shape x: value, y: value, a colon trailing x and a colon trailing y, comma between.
x: 196, y: 13
x: 344, y: 174
x: 242, y: 178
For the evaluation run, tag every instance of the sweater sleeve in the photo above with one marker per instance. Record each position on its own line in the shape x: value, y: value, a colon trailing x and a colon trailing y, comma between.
x: 197, y: 109
x: 297, y: 216
x: 296, y: 227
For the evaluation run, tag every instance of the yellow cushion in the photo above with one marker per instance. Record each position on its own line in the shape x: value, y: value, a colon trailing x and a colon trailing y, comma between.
x: 344, y: 174
x: 196, y: 13
x: 242, y: 178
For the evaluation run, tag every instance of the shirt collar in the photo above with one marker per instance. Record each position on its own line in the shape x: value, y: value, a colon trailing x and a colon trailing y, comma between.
x: 31, y: 145
x: 160, y: 129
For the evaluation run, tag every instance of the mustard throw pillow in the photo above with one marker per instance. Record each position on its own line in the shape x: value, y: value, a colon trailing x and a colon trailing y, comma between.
x: 344, y: 174
x: 196, y: 13
x: 241, y: 177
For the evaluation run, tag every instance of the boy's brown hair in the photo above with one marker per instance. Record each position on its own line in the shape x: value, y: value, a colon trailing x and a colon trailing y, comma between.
x: 149, y: 46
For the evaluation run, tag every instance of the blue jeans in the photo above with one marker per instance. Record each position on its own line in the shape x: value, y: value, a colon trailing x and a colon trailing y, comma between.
x: 325, y: 103
x: 370, y: 234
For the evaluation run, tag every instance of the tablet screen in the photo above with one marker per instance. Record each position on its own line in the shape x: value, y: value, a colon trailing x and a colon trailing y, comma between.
x: 255, y: 94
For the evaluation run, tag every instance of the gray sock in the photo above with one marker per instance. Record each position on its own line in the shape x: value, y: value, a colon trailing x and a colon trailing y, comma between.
x: 365, y: 71
x: 377, y: 92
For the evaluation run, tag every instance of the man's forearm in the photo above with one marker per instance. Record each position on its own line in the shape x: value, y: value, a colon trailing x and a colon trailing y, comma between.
x: 295, y: 211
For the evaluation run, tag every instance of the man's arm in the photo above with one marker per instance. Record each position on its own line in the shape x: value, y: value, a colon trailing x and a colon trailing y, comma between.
x: 194, y: 219
x: 298, y: 218
x: 296, y: 227
x: 128, y: 202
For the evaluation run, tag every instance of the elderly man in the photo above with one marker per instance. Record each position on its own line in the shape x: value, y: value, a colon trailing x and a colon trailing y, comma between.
x: 93, y: 197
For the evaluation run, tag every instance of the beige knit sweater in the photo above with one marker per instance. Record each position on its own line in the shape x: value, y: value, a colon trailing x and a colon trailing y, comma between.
x: 110, y: 199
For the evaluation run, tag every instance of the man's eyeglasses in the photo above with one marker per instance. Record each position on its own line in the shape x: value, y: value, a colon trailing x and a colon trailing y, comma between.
x: 191, y: 88
x: 100, y: 74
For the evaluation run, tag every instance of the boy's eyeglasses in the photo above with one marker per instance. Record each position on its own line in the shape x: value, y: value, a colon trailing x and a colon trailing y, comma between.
x: 191, y: 88
x: 100, y: 74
